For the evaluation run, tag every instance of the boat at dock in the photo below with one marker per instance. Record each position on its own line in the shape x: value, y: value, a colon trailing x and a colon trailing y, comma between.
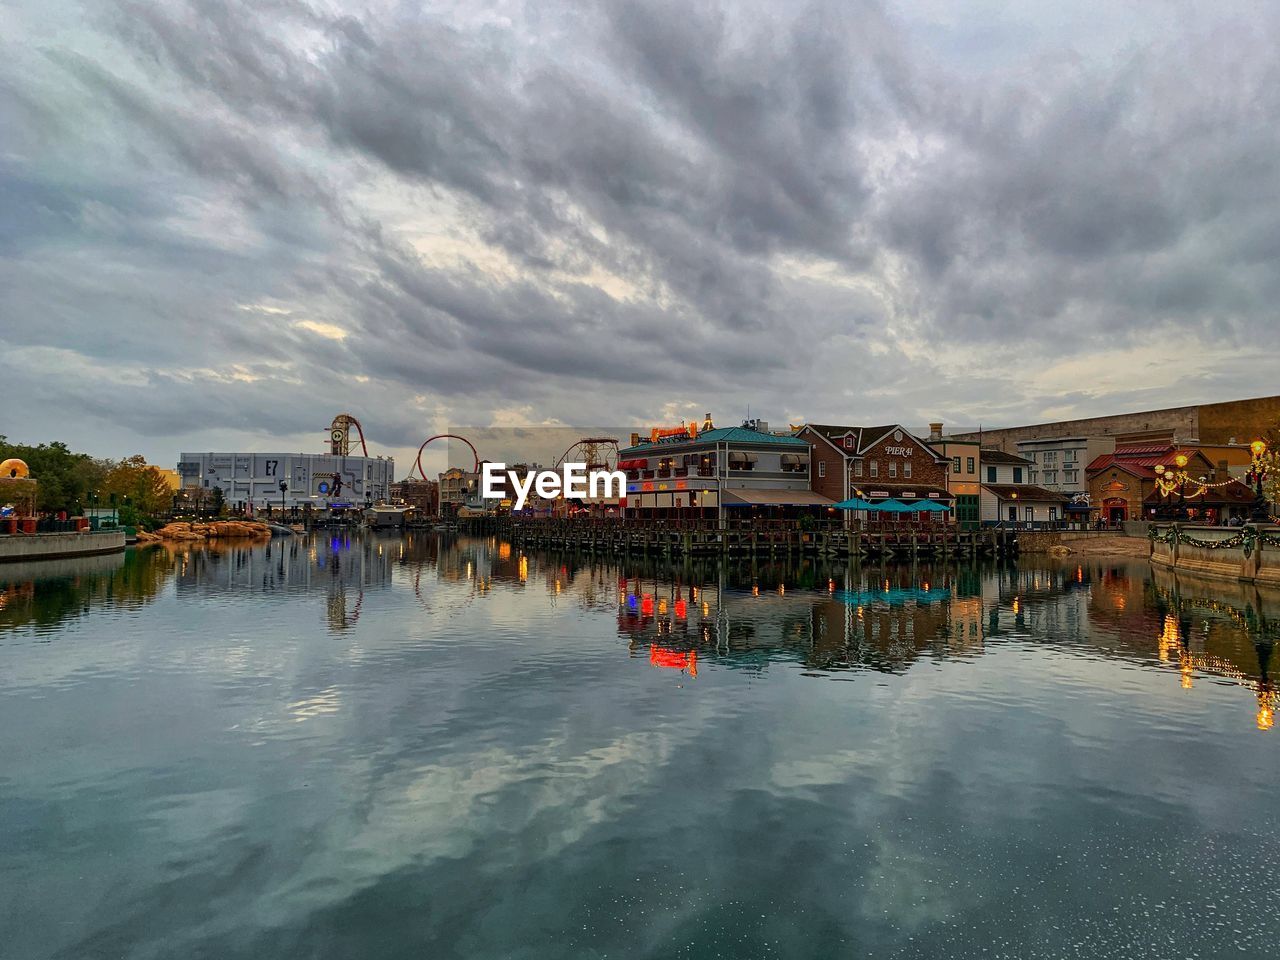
x: 383, y: 516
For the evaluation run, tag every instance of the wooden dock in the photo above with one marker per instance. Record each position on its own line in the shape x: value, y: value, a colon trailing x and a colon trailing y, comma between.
x: 769, y: 539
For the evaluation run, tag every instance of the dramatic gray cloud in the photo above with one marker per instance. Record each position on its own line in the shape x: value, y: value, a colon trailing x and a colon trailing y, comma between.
x: 222, y: 222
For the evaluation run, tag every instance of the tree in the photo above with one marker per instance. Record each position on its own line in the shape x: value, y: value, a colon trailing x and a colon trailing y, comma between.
x: 145, y: 487
x: 64, y: 478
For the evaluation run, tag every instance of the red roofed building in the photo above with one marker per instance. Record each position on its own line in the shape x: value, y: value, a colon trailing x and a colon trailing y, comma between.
x: 1123, y: 485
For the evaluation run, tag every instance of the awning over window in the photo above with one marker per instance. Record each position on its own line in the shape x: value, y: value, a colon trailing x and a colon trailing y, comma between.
x: 745, y: 497
x: 795, y: 460
x: 632, y: 464
x: 736, y: 457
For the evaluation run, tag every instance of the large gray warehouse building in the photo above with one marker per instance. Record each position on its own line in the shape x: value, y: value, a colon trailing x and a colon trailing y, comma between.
x: 322, y: 480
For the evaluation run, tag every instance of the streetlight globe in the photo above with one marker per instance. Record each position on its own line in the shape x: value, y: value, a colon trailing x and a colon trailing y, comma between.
x: 1258, y: 447
x: 1159, y: 468
x: 1180, y: 460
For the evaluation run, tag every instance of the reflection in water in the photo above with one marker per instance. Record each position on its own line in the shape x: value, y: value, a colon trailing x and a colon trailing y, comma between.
x: 45, y: 594
x: 825, y: 617
x: 1224, y: 630
x: 348, y: 745
x: 886, y: 618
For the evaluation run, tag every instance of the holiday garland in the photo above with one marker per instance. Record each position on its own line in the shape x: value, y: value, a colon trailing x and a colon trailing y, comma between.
x: 1247, y: 538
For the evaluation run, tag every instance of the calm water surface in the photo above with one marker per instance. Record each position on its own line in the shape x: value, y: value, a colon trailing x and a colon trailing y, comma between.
x: 368, y: 748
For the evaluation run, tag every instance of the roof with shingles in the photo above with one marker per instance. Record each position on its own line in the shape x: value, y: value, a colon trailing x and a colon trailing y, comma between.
x: 864, y: 437
x: 999, y: 456
x: 1141, y: 461
x: 1024, y: 491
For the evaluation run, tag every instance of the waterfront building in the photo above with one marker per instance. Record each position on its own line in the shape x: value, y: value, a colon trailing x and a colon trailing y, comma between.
x: 875, y: 464
x: 1058, y: 463
x: 964, y: 479
x: 1231, y: 423
x: 320, y: 481
x: 1009, y: 497
x: 422, y: 495
x: 722, y: 472
x: 1123, y: 485
x: 458, y: 488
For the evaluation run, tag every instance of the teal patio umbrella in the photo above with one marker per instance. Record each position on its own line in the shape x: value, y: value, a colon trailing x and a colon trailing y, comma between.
x: 854, y: 503
x: 894, y: 506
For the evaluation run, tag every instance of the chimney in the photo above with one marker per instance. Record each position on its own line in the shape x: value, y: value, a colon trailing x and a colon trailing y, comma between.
x: 935, y: 432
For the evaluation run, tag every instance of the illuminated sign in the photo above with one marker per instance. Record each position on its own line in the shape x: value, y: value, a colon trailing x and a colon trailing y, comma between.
x: 667, y: 433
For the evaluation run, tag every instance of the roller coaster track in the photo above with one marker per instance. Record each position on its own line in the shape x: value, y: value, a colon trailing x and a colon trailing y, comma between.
x: 443, y: 436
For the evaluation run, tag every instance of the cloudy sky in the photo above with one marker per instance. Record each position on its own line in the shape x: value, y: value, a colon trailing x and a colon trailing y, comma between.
x: 223, y: 222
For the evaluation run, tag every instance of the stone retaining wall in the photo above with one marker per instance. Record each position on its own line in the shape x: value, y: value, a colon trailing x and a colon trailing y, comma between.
x: 47, y: 546
x: 1250, y: 553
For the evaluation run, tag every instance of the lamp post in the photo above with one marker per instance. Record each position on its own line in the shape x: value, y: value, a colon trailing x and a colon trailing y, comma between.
x: 1258, y: 473
x: 284, y: 488
x: 1181, y: 461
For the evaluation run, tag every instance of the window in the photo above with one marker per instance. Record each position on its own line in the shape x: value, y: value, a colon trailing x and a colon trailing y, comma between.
x: 1051, y: 458
x: 1053, y: 513
x: 970, y: 465
x: 1069, y: 456
x: 857, y: 468
x: 955, y: 464
x: 1031, y: 476
x: 1051, y: 476
x: 991, y: 474
x: 906, y: 470
x: 1017, y: 474
x: 1030, y: 514
x: 848, y: 443
x: 875, y: 468
x: 893, y: 468
x: 1071, y: 476
x: 822, y: 468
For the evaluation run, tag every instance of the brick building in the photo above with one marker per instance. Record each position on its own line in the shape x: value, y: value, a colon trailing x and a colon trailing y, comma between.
x: 874, y: 463
x: 422, y: 495
x: 1122, y: 486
